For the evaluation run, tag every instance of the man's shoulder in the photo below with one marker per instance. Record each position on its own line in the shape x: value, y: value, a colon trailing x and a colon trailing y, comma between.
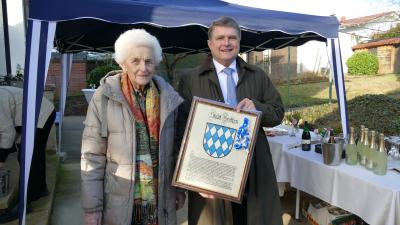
x: 189, y: 74
x: 255, y: 68
x: 250, y: 67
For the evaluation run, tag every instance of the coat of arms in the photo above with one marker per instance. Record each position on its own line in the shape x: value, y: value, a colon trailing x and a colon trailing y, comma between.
x: 218, y: 140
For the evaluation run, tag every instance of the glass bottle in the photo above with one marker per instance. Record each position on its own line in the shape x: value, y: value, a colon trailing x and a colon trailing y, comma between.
x: 360, y: 139
x: 380, y: 163
x: 325, y: 135
x: 364, y: 147
x: 351, y: 149
x: 331, y: 137
x: 370, y: 152
x: 359, y: 142
x: 306, y: 138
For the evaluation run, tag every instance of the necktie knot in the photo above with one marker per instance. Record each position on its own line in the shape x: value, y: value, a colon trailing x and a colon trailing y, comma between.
x: 228, y: 71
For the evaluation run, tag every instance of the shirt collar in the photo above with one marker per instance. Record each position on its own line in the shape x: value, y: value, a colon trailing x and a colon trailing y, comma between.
x: 219, y: 67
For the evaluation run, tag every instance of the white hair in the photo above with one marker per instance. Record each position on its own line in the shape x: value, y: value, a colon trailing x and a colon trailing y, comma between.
x: 136, y: 37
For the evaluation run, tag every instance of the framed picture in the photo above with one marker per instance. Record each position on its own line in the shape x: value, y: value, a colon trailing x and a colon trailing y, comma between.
x: 216, y: 149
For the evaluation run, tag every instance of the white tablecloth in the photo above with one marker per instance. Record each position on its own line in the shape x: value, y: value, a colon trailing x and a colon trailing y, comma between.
x: 376, y: 199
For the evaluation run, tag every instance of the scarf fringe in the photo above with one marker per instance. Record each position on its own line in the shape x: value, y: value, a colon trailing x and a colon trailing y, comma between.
x: 145, y: 214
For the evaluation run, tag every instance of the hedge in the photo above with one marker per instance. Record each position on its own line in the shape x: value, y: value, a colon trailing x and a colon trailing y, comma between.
x: 95, y: 75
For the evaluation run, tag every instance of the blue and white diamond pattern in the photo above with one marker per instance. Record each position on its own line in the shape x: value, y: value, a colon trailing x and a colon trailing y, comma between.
x: 218, y: 140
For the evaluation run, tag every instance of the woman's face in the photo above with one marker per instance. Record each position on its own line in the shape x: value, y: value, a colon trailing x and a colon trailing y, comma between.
x: 140, y: 66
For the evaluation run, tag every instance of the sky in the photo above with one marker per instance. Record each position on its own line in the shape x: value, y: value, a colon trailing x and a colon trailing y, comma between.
x: 348, y: 8
x: 15, y: 14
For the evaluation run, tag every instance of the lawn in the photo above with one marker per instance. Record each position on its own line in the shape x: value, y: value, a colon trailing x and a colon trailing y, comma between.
x: 318, y: 93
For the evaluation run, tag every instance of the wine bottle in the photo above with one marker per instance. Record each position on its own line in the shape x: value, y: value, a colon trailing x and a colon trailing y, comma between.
x: 380, y: 163
x: 331, y: 137
x: 364, y: 148
x: 361, y: 137
x: 360, y: 142
x: 306, y: 138
x: 370, y: 152
x: 351, y: 149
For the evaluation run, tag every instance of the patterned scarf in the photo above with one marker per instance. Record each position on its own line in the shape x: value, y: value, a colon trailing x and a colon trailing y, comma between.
x: 147, y: 138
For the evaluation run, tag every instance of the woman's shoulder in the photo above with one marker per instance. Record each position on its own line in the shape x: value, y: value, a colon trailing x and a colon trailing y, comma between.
x: 111, y: 77
x: 162, y: 84
x: 166, y: 88
x: 110, y: 86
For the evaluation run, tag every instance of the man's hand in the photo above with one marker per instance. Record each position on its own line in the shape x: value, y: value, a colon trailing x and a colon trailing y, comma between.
x: 204, y: 195
x: 93, y: 218
x: 245, y: 104
x: 180, y: 200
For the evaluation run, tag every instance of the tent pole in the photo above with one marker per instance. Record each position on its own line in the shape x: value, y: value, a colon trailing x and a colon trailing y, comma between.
x: 6, y: 38
x: 330, y: 87
x: 338, y: 78
x: 288, y: 77
x: 39, y: 34
x: 66, y: 63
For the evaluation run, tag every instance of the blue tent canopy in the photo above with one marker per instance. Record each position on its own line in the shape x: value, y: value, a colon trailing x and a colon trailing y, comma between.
x: 95, y: 24
x: 180, y: 25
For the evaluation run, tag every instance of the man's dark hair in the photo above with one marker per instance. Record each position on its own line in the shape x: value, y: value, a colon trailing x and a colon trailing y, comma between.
x: 224, y: 21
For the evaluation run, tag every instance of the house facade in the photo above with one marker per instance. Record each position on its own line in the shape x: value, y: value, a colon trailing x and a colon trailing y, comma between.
x: 387, y: 51
x: 359, y: 30
x: 312, y: 57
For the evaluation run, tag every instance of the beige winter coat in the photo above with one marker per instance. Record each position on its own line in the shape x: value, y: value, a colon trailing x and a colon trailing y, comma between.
x: 108, y: 153
x: 11, y: 114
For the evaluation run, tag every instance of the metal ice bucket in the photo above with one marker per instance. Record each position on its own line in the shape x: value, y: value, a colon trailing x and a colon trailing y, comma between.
x: 4, y: 182
x: 332, y: 153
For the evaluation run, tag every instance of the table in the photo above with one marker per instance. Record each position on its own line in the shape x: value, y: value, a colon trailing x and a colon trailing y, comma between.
x: 376, y: 199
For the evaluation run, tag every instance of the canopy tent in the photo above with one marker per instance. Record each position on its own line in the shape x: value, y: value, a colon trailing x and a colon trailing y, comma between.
x: 181, y: 26
x: 94, y: 25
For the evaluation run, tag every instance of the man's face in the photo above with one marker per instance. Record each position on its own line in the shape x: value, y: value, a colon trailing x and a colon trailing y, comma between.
x: 224, y: 44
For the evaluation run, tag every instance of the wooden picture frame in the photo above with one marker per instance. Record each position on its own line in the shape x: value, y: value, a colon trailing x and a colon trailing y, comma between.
x: 216, y: 149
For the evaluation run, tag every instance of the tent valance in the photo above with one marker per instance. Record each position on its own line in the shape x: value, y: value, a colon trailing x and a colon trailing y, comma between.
x: 94, y: 25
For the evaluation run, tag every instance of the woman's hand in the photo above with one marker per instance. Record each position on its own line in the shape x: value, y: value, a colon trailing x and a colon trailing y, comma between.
x: 93, y: 218
x: 180, y: 200
x: 204, y: 195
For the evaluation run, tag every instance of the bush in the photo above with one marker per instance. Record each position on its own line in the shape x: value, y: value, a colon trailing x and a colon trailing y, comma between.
x: 377, y: 112
x: 95, y: 75
x: 362, y: 63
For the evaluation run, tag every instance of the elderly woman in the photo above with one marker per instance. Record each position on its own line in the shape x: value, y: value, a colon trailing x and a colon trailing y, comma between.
x: 128, y: 142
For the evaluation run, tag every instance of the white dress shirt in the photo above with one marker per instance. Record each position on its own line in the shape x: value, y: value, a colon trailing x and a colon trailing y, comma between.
x: 222, y: 76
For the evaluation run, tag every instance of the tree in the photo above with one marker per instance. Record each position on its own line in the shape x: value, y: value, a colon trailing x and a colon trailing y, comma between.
x: 392, y: 33
x: 175, y: 65
x: 170, y: 62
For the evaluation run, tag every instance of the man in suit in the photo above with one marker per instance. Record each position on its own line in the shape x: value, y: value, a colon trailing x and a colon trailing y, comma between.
x: 252, y: 90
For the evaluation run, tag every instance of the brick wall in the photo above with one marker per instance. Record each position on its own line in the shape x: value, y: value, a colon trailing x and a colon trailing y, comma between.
x: 77, y: 79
